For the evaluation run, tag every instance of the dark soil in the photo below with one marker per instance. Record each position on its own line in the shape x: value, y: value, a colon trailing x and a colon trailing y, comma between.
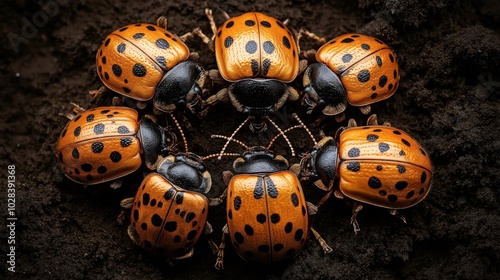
x: 448, y: 99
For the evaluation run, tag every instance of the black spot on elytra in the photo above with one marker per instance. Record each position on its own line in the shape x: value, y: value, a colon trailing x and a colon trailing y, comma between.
x: 265, y: 24
x: 347, y: 40
x: 86, y: 167
x: 99, y: 128
x: 374, y: 95
x: 190, y: 216
x: 90, y: 118
x: 266, y: 64
x: 405, y: 142
x: 162, y: 44
x: 255, y: 67
x: 107, y: 42
x: 278, y: 247
x: 136, y: 215
x: 121, y: 48
x: 97, y: 147
x: 156, y: 220
x: 75, y: 153
x: 383, y: 147
x: 192, y: 234
x: 379, y: 167
x: 123, y: 129
x: 103, y: 59
x: 138, y: 35
x: 162, y: 61
x: 423, y: 177
x: 410, y: 194
x: 280, y: 24
x: 391, y: 57
x: 139, y: 70
x: 286, y: 42
x: 346, y: 58
x: 401, y: 169
x: 401, y: 185
x: 177, y: 239
x: 422, y: 152
x: 374, y: 182
x: 115, y: 156
x: 102, y: 169
x: 382, y: 193
x: 144, y: 226
x: 90, y: 177
x: 117, y: 70
x: 268, y: 47
x: 392, y: 198
x: 237, y: 203
x: 239, y: 237
x: 77, y: 131
x: 353, y: 152
x: 169, y: 193
x: 230, y: 24
x: 258, y: 191
x: 365, y: 47
x: 179, y: 198
x: 295, y: 199
x: 251, y: 47
x: 363, y: 76
x: 272, y: 191
x: 170, y: 226
x: 288, y: 227
x: 353, y: 166
x: 249, y: 23
x: 261, y: 218
x: 299, y: 234
x: 125, y: 142
x: 248, y: 230
x: 371, y: 137
x: 123, y: 29
x: 275, y: 218
x: 153, y: 202
x: 145, y: 199
x: 151, y: 28
x: 228, y: 41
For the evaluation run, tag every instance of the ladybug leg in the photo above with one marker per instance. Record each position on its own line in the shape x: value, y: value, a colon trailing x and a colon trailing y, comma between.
x: 186, y: 256
x: 395, y: 213
x: 365, y: 109
x: 303, y: 63
x: 126, y: 204
x: 303, y: 32
x: 355, y: 210
x: 162, y: 22
x: 326, y: 248
x: 293, y: 94
x: 208, y: 230
x: 221, y: 95
x: 133, y: 234
x: 214, y: 201
x: 116, y: 184
x: 75, y: 108
x: 215, y: 76
x: 219, y: 263
x: 97, y: 92
x: 325, y: 198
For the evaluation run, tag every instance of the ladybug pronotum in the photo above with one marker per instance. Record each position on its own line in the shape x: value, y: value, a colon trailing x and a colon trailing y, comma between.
x: 352, y: 68
x: 169, y: 211
x: 144, y: 61
x: 258, y: 55
x: 106, y: 143
x: 377, y: 165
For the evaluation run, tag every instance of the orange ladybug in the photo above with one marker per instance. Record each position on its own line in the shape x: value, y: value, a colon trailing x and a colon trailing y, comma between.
x: 169, y: 211
x: 258, y: 55
x: 144, y: 61
x: 267, y: 214
x: 352, y: 68
x: 377, y: 165
x: 106, y: 143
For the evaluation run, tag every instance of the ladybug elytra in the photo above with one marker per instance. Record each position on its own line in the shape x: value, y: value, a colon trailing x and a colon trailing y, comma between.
x: 352, y: 68
x: 144, y: 61
x: 377, y: 165
x: 106, y: 143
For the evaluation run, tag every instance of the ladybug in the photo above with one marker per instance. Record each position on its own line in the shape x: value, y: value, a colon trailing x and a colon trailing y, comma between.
x: 352, y: 68
x: 258, y: 55
x: 169, y: 211
x: 266, y: 211
x: 144, y: 61
x: 107, y: 143
x: 373, y: 164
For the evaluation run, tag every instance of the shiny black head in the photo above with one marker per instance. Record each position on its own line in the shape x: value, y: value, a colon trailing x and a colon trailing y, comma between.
x: 259, y: 160
x: 321, y: 163
x: 186, y: 171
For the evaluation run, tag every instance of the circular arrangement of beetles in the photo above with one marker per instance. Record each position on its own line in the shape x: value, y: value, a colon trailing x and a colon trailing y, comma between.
x: 258, y: 58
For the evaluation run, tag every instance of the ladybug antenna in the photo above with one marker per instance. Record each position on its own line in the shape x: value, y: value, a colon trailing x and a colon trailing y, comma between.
x: 220, y: 155
x: 278, y: 135
x: 232, y: 135
x: 234, y: 140
x: 282, y: 133
x: 181, y: 132
x: 305, y: 128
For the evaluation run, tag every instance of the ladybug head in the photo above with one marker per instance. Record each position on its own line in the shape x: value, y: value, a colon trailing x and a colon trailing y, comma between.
x: 321, y: 163
x: 186, y: 171
x: 259, y: 160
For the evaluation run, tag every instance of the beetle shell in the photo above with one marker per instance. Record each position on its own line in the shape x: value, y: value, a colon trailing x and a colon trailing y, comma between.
x: 366, y: 66
x: 256, y: 45
x: 383, y: 166
x: 100, y: 145
x: 167, y: 220
x: 267, y: 216
x: 133, y: 59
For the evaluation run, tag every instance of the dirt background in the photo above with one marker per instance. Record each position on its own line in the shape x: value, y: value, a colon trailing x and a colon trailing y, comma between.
x: 448, y: 99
